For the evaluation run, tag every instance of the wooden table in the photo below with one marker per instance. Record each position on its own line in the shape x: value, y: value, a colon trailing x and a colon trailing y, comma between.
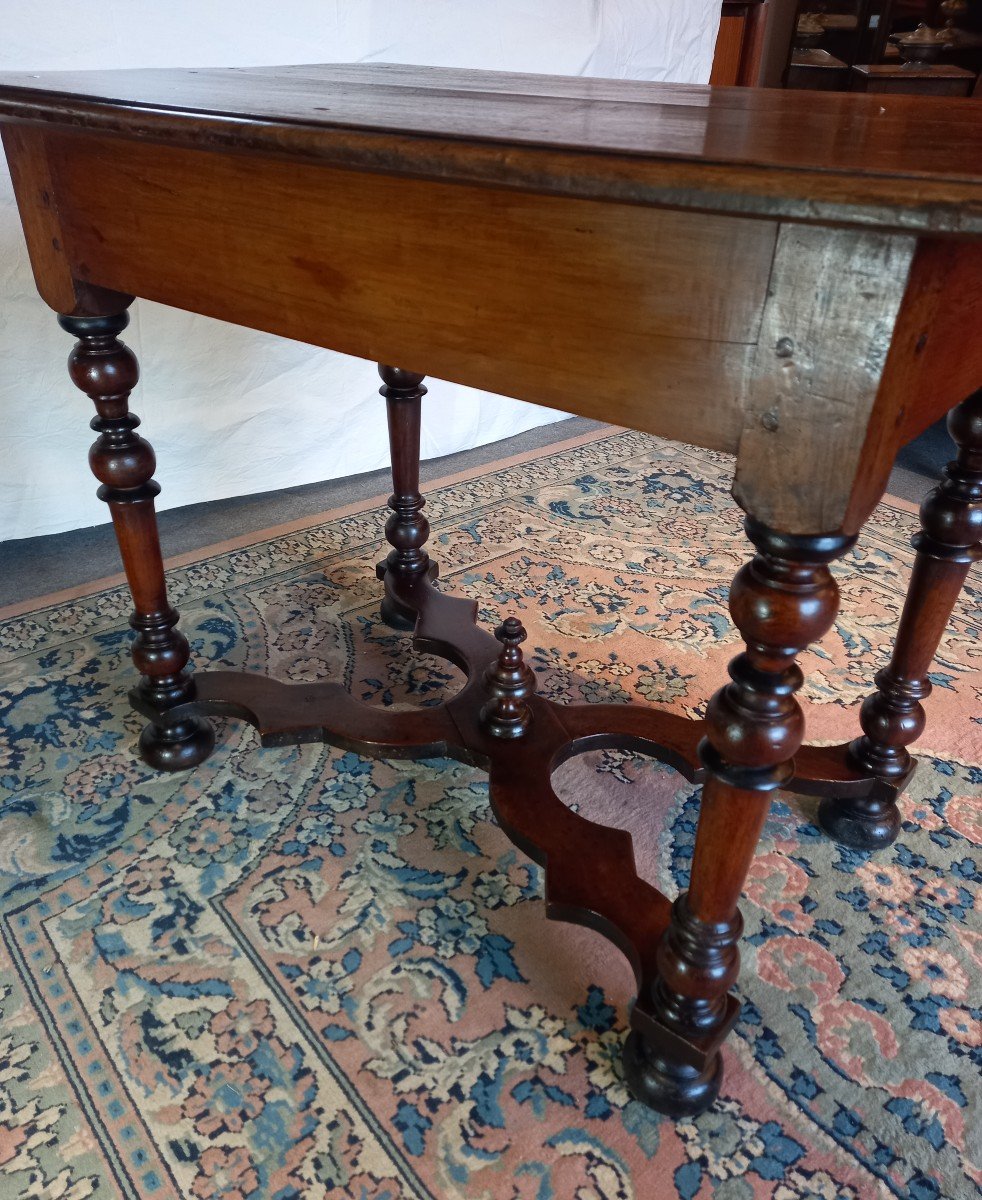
x: 796, y: 279
x: 915, y: 79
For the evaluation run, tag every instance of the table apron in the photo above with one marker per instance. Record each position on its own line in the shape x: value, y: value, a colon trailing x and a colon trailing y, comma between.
x: 642, y: 316
x: 812, y: 353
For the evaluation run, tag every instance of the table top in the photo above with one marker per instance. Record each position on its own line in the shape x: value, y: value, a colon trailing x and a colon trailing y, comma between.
x: 899, y: 70
x: 904, y: 162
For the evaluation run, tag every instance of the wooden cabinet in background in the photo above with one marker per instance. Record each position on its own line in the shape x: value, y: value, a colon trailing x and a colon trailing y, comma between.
x: 938, y: 79
x: 739, y: 43
x: 818, y: 70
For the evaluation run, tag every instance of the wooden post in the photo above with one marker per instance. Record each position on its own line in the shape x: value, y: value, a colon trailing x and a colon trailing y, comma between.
x: 407, y: 529
x: 893, y: 716
x: 107, y: 371
x: 782, y: 601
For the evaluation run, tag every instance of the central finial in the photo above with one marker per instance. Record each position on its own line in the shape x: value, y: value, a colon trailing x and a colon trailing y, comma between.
x: 509, y: 683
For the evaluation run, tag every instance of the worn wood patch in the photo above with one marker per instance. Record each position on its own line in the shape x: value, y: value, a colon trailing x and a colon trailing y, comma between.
x: 831, y: 308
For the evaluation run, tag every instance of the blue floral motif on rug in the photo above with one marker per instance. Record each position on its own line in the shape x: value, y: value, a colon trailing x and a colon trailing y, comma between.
x: 296, y: 973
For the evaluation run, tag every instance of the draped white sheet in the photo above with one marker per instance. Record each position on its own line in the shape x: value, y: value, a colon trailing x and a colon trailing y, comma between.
x: 231, y: 411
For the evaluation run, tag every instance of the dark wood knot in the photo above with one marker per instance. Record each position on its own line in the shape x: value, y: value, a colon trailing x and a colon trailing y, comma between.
x: 509, y: 683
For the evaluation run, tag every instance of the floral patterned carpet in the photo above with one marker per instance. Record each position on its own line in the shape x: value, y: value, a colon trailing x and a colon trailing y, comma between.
x: 296, y: 973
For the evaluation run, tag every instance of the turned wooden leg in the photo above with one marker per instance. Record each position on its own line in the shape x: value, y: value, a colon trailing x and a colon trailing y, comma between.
x: 106, y: 370
x: 783, y: 600
x: 893, y: 716
x: 406, y: 529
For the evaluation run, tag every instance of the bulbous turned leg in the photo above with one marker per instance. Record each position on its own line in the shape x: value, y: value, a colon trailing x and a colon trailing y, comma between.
x: 893, y: 716
x: 782, y: 601
x: 406, y: 529
x: 106, y: 370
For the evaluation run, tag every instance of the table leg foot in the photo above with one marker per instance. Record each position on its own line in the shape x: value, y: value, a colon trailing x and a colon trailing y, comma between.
x: 404, y: 620
x: 893, y: 717
x: 177, y: 747
x: 673, y: 1088
x: 861, y: 824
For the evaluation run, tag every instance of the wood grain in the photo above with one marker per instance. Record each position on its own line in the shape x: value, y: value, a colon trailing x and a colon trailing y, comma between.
x: 935, y: 361
x: 896, y: 162
x: 531, y: 296
x: 832, y: 304
x: 729, y: 50
x: 739, y: 44
x: 652, y: 318
x: 37, y: 201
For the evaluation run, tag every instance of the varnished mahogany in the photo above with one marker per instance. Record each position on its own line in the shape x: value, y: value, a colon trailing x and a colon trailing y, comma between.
x: 796, y: 280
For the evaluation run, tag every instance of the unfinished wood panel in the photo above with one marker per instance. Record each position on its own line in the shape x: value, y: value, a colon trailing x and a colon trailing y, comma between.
x: 832, y: 305
x: 638, y: 316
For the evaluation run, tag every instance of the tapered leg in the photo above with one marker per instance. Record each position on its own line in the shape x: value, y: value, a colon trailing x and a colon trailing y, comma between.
x: 893, y: 716
x: 406, y: 529
x: 783, y: 600
x: 106, y: 370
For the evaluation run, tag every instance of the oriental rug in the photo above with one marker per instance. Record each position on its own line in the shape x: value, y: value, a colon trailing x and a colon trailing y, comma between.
x: 295, y: 973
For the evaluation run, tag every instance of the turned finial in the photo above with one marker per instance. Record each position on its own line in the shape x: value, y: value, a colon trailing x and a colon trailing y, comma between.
x: 397, y: 382
x: 509, y: 683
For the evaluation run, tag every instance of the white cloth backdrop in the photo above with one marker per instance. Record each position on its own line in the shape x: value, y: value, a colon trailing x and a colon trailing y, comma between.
x: 231, y: 411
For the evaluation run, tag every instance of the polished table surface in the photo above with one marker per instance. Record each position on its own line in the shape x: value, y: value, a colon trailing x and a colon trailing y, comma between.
x: 794, y: 279
x: 832, y: 184
x: 895, y: 162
